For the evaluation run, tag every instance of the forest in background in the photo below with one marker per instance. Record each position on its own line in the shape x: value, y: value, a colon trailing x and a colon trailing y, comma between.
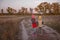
x: 42, y: 8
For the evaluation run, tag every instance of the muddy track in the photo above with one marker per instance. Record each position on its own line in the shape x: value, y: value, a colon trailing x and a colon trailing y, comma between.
x: 47, y: 33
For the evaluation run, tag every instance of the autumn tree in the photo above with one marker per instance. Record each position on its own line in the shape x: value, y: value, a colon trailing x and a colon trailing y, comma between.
x: 36, y: 9
x: 1, y: 10
x: 44, y: 7
x: 19, y: 11
x: 55, y: 7
x: 26, y: 10
x: 31, y: 10
x: 23, y: 10
x: 11, y: 10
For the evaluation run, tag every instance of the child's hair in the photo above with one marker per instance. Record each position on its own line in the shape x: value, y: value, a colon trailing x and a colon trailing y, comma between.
x: 39, y: 17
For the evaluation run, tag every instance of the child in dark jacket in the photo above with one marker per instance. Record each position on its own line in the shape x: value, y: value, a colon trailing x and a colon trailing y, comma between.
x: 34, y: 26
x: 34, y: 23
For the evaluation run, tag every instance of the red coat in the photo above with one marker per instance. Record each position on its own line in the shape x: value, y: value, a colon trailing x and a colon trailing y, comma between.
x: 34, y: 25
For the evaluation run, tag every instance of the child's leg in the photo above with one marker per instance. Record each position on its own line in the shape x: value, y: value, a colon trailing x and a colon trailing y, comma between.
x: 34, y: 33
x: 40, y: 29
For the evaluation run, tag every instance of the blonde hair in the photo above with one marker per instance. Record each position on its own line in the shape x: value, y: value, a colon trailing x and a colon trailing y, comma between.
x: 39, y: 17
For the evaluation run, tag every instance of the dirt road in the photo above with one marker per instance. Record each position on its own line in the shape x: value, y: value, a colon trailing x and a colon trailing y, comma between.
x: 47, y: 33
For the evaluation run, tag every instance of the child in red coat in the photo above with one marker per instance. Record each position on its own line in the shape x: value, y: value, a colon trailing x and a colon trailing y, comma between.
x: 34, y: 24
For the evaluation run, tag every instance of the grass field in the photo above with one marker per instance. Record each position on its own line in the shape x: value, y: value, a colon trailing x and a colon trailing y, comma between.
x: 9, y: 25
x: 52, y: 21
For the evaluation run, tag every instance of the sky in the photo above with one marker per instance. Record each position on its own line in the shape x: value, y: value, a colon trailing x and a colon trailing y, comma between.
x: 17, y: 4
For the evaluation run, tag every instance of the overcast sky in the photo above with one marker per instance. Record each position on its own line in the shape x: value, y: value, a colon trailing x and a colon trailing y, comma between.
x: 17, y: 4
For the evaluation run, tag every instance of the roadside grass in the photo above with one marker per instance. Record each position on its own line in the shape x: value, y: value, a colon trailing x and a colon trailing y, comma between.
x: 53, y: 21
x: 9, y: 28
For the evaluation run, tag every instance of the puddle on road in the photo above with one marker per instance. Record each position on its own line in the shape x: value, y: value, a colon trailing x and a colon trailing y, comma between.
x: 24, y: 32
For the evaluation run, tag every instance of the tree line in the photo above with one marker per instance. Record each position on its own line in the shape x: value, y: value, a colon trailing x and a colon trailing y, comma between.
x: 46, y: 7
x: 42, y: 8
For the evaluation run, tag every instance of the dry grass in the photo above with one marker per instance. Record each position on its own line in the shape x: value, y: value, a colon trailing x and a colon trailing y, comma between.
x: 53, y: 21
x: 9, y: 26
